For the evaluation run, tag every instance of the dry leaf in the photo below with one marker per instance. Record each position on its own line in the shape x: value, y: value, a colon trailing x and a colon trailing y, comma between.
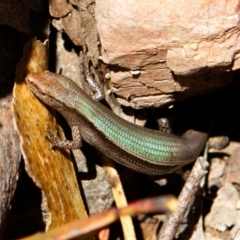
x: 51, y: 170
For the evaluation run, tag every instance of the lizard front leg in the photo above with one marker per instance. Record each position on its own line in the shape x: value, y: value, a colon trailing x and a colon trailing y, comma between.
x: 67, y: 144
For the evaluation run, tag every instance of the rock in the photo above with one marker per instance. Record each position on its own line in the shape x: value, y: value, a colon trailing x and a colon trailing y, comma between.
x: 179, y: 48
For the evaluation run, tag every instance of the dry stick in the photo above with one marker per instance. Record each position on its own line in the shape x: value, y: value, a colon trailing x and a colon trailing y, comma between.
x: 186, y: 197
x: 119, y: 197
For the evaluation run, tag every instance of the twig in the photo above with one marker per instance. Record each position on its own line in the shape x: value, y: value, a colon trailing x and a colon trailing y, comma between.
x: 185, y: 199
x: 119, y: 197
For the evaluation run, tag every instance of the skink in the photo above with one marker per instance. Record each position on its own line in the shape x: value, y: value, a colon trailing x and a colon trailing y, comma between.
x: 141, y: 149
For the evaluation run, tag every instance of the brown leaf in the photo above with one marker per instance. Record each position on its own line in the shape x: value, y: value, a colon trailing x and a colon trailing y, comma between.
x: 51, y: 170
x: 10, y: 156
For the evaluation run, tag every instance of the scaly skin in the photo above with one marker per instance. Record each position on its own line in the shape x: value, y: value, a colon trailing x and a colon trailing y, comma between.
x: 144, y: 150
